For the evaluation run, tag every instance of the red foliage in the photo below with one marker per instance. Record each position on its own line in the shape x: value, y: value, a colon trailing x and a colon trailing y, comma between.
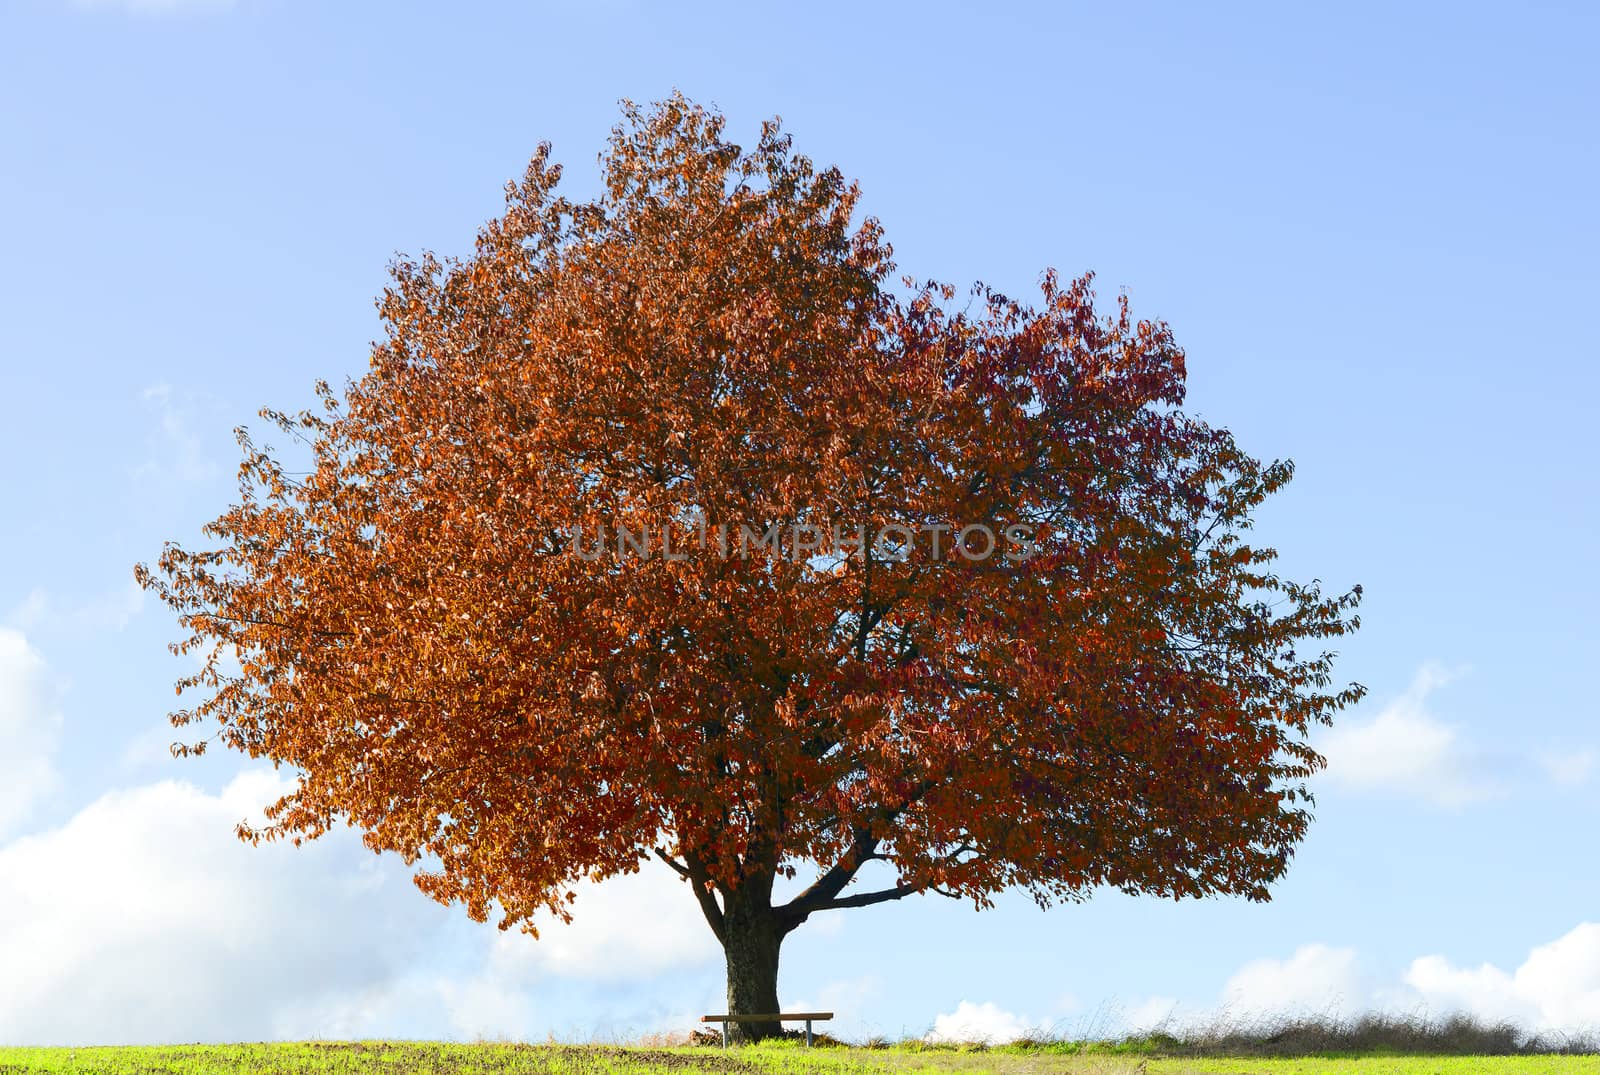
x: 715, y: 338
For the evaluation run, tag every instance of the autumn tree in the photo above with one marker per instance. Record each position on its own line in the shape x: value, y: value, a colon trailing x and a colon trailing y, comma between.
x: 436, y: 632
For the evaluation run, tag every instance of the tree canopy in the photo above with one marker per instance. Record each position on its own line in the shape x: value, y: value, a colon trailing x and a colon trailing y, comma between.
x: 435, y: 633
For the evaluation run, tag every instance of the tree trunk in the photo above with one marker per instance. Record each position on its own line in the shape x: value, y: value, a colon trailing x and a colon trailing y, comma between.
x: 751, y: 939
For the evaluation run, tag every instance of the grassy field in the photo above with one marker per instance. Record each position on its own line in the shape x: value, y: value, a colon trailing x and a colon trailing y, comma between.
x: 387, y: 1058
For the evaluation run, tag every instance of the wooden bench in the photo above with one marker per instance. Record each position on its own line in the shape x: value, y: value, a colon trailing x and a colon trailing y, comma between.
x: 783, y: 1017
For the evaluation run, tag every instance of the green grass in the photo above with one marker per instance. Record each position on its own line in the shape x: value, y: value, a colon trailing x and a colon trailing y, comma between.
x: 783, y: 1058
x: 1393, y: 1065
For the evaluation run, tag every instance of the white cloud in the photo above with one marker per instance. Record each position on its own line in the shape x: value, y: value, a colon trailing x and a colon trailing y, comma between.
x: 30, y: 728
x: 623, y: 930
x: 1485, y: 991
x: 1572, y: 769
x: 986, y: 1022
x: 144, y: 919
x: 626, y: 928
x: 1556, y: 988
x: 1316, y: 979
x: 1407, y: 750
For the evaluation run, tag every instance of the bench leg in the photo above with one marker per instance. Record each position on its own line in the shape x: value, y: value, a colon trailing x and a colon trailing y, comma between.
x: 808, y: 1033
x: 724, y: 1035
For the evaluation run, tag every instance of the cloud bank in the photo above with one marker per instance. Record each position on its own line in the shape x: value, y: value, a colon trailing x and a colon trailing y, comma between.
x: 143, y: 919
x: 1555, y: 990
x: 30, y: 729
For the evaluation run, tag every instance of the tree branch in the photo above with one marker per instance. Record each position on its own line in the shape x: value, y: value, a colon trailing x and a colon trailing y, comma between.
x: 823, y: 893
x: 863, y: 848
x: 700, y: 881
x: 867, y: 899
x: 680, y: 868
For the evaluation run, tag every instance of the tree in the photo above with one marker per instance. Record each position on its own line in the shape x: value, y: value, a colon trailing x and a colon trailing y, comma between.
x: 795, y: 654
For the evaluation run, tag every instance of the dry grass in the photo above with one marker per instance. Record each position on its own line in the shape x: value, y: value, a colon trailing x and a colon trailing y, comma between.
x: 1371, y: 1034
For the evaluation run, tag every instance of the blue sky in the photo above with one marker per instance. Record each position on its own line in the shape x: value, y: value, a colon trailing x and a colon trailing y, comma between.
x: 1374, y: 231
